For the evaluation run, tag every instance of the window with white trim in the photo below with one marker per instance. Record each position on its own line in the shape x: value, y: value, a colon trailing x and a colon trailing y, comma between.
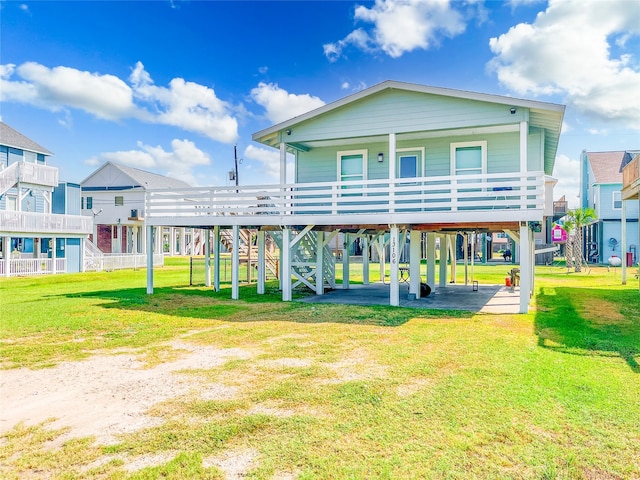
x: 617, y: 200
x: 468, y: 158
x: 352, y: 166
x: 119, y: 201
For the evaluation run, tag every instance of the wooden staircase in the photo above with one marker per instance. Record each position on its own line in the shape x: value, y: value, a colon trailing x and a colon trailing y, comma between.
x: 248, y: 252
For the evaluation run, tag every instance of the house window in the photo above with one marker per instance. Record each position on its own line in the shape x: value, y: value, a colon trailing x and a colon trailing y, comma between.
x: 617, y: 200
x: 89, y: 203
x: 351, y: 166
x: 468, y: 158
x: 119, y: 201
x: 409, y: 164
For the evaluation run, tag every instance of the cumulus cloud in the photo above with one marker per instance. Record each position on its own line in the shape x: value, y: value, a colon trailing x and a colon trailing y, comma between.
x: 400, y: 26
x: 567, y: 51
x: 104, y: 96
x: 281, y: 105
x: 177, y: 163
x: 269, y: 162
x: 186, y: 105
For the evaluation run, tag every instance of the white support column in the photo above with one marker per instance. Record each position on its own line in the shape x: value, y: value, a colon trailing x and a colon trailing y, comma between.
x: 283, y: 163
x: 624, y: 243
x: 365, y: 259
x: 216, y: 258
x: 134, y: 240
x: 54, y: 268
x: 150, y: 259
x: 286, y: 264
x: 415, y: 237
x: 172, y: 241
x: 525, y: 267
x: 394, y: 290
x: 453, y: 255
x: 249, y: 259
x: 431, y: 260
x: 444, y: 251
x: 82, y: 269
x: 261, y: 261
x: 235, y: 264
x: 7, y: 255
x: 392, y: 169
x: 207, y: 258
x: 381, y: 255
x: 320, y: 263
x: 465, y: 255
x: 143, y: 239
x: 524, y: 135
x: 345, y: 261
x: 183, y: 237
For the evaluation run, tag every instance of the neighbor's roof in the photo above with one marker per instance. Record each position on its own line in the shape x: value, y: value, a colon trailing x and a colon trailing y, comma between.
x: 547, y: 116
x: 142, y: 178
x: 12, y: 138
x: 607, y: 166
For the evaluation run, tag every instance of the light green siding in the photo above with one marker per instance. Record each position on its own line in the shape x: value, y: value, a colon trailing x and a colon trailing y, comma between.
x: 503, y: 155
x: 401, y: 111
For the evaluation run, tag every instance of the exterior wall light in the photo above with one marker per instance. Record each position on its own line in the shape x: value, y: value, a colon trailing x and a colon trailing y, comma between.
x: 513, y: 110
x: 381, y: 157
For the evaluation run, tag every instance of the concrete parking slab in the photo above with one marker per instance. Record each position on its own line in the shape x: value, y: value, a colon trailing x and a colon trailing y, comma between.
x: 486, y: 299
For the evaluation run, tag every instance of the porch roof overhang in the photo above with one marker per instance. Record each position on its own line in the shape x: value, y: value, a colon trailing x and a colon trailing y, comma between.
x: 542, y: 115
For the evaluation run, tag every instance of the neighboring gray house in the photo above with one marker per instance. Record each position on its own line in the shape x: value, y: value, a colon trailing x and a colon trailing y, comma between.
x: 41, y: 229
x: 601, y: 189
x: 394, y: 161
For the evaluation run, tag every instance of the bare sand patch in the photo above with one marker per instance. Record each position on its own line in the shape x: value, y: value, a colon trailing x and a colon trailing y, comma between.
x: 105, y: 395
x: 235, y: 464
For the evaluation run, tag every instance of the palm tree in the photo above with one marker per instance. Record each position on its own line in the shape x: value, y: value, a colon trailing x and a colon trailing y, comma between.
x: 576, y: 221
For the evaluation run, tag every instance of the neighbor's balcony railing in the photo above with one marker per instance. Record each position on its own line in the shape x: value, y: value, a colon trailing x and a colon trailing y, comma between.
x: 500, y: 191
x: 42, y: 223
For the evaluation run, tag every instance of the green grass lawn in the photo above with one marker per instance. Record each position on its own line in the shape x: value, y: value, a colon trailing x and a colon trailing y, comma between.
x: 370, y: 392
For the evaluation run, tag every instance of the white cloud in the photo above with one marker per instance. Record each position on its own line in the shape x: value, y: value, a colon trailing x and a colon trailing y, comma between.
x: 178, y: 163
x: 400, y: 26
x: 269, y: 162
x: 281, y: 105
x: 566, y: 51
x: 104, y: 96
x: 567, y: 171
x: 186, y: 105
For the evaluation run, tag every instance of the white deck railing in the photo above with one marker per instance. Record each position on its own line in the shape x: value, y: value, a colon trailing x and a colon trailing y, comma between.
x: 38, y: 174
x: 43, y: 223
x: 19, y: 267
x: 501, y: 191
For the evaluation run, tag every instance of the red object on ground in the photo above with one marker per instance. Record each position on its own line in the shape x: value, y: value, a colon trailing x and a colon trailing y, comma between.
x: 507, y: 281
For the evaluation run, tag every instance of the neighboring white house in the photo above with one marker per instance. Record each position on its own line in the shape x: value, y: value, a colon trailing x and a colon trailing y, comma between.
x: 393, y: 161
x: 601, y: 189
x: 114, y: 196
x: 41, y: 229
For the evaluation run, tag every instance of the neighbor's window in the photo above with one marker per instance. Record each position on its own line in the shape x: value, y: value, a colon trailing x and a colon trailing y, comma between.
x: 119, y: 201
x: 89, y: 203
x: 617, y: 200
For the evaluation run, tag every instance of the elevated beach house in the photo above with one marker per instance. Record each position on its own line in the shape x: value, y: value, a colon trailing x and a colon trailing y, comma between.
x: 393, y: 162
x: 41, y: 229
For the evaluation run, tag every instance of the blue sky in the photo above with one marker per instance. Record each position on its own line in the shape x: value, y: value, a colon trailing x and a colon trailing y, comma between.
x: 172, y: 86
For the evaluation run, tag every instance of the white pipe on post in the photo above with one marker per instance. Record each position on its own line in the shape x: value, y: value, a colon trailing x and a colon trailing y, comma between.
x: 415, y: 237
x: 149, y: 260
x: 261, y: 261
x: 207, y: 258
x: 216, y: 258
x: 286, y: 264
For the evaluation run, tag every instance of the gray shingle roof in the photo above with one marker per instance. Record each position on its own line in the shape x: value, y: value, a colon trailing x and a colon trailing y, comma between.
x: 151, y: 180
x: 12, y: 138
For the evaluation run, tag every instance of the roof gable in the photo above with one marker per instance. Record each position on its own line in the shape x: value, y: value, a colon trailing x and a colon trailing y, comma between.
x: 12, y: 138
x: 113, y: 175
x: 397, y: 107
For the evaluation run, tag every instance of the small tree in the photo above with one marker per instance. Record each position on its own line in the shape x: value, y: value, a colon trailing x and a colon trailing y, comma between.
x: 576, y: 221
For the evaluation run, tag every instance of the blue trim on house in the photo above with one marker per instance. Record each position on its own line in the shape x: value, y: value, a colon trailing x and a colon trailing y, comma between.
x: 104, y: 189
